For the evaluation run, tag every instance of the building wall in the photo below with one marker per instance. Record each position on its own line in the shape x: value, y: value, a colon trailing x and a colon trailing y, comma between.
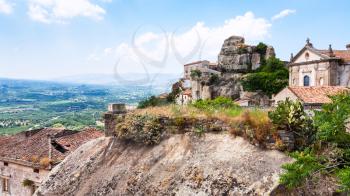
x: 344, y: 75
x: 283, y: 95
x: 16, y: 174
x: 202, y: 66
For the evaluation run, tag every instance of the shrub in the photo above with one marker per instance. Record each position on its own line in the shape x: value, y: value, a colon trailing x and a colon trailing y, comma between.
x: 261, y: 49
x: 271, y: 77
x: 306, y: 163
x: 214, y: 79
x: 290, y: 116
x: 195, y: 73
x: 27, y: 183
x: 331, y: 121
x: 45, y: 162
x: 217, y: 103
x: 142, y: 129
x: 151, y: 102
x: 344, y: 178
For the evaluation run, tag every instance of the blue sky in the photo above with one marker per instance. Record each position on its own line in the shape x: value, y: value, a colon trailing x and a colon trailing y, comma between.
x: 45, y: 39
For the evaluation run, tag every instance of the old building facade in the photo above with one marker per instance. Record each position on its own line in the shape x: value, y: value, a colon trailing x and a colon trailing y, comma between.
x: 26, y: 158
x: 314, y: 67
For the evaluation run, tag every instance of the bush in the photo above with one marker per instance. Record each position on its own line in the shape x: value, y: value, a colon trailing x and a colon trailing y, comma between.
x: 261, y: 49
x: 196, y: 73
x: 290, y: 116
x: 142, y: 129
x: 217, y: 103
x: 344, y: 178
x: 270, y: 77
x: 151, y: 102
x: 331, y: 121
x: 27, y: 183
x: 306, y: 163
x: 45, y: 162
x: 214, y: 79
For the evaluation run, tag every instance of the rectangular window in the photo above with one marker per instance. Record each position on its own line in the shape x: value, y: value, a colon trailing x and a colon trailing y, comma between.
x: 5, y: 185
x: 36, y: 170
x: 6, y: 164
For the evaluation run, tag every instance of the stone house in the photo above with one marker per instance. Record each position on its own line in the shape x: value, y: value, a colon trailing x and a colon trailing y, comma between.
x: 204, y: 66
x: 314, y: 67
x: 311, y: 97
x: 184, y: 97
x: 26, y: 158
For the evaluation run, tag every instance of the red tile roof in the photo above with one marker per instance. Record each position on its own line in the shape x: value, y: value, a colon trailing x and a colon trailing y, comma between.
x: 30, y: 145
x: 343, y: 54
x: 187, y: 92
x: 317, y: 94
x: 72, y: 142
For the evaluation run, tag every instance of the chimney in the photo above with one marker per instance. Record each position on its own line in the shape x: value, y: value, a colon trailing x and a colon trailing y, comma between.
x: 49, y: 137
x: 330, y: 51
x: 348, y: 46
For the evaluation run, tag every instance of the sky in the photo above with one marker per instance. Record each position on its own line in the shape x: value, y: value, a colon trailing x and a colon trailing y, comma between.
x: 47, y: 39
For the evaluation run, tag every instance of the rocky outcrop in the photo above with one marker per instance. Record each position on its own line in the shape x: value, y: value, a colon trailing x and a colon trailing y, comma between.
x: 236, y: 56
x: 183, y: 164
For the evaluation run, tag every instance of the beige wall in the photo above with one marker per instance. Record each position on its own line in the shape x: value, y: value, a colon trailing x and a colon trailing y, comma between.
x: 283, y: 95
x: 17, y: 174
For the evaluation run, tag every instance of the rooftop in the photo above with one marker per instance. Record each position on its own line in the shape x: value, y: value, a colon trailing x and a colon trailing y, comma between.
x: 317, y: 94
x: 31, y: 146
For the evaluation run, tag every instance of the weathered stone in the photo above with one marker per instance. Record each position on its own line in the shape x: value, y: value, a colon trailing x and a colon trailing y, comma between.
x: 215, y: 164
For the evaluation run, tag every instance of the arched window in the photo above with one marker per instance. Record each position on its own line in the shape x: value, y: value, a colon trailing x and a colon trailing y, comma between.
x: 306, y: 81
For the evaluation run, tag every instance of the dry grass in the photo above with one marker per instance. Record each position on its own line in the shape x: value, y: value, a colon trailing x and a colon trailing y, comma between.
x: 45, y: 162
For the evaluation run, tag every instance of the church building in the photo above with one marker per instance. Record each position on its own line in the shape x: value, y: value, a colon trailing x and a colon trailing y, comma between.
x: 314, y: 67
x: 316, y: 74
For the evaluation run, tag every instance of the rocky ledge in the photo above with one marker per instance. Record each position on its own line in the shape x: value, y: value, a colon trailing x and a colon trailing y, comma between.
x: 183, y: 164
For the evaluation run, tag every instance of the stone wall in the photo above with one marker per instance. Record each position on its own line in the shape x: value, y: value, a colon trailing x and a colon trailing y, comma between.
x: 16, y: 174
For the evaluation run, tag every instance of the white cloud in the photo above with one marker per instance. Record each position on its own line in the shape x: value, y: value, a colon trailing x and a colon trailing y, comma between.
x: 6, y: 7
x: 49, y: 11
x: 283, y: 14
x: 169, y: 51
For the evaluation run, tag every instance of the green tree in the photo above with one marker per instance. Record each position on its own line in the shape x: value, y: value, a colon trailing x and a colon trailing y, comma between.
x: 270, y: 77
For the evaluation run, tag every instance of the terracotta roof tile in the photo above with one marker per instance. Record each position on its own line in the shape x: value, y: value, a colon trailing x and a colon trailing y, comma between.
x: 27, y: 145
x: 187, y: 92
x: 343, y: 54
x: 317, y: 95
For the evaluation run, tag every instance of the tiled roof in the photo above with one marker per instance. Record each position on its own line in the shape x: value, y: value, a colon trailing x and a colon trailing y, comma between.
x: 343, y: 54
x: 72, y: 142
x: 187, y: 92
x: 30, y: 145
x: 317, y: 94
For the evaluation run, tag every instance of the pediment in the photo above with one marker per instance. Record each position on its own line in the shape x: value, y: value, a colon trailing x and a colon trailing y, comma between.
x: 308, y: 54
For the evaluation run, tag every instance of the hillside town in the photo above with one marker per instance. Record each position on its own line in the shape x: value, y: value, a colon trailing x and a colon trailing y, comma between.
x: 314, y: 74
x: 27, y: 158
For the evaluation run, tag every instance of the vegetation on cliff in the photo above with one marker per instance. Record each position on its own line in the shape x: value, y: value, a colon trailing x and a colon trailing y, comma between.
x: 271, y: 77
x: 327, y: 152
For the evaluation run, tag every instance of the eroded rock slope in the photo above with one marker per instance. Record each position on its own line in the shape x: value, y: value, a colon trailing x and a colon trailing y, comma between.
x: 184, y: 164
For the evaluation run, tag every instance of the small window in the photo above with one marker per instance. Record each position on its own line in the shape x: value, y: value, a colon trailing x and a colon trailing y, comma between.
x: 5, y: 185
x: 294, y: 81
x: 306, y: 81
x: 307, y: 56
x: 36, y: 170
x: 6, y: 164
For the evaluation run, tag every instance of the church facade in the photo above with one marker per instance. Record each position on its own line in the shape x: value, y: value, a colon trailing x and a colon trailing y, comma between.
x: 314, y: 67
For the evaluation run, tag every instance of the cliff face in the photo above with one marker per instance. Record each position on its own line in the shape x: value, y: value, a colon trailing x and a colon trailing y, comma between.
x: 184, y: 164
x: 236, y: 56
